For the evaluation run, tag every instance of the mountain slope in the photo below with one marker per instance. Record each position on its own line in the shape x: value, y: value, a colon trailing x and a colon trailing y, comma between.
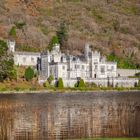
x: 109, y: 25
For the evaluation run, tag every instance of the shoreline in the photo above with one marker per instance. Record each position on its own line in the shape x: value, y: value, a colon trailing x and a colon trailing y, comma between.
x: 64, y: 91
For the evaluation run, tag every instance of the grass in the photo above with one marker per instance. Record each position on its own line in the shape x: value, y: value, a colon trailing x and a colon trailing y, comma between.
x: 19, y: 86
x: 10, y: 86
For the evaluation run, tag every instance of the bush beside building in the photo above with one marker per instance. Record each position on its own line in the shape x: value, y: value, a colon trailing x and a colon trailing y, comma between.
x: 29, y: 74
x: 60, y: 83
x: 80, y: 84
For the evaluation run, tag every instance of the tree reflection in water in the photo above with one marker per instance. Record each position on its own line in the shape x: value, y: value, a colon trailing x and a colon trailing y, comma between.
x: 68, y: 116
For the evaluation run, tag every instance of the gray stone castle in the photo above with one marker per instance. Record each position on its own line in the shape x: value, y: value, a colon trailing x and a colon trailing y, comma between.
x: 90, y: 66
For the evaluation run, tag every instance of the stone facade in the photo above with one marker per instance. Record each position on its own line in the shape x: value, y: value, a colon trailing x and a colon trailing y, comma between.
x: 127, y: 72
x: 91, y: 67
x: 26, y: 58
x: 23, y: 58
x: 104, y: 82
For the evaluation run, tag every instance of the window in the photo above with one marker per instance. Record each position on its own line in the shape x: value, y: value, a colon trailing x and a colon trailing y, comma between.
x: 78, y: 66
x: 24, y: 59
x: 112, y: 68
x: 96, y: 67
x: 95, y: 60
x: 83, y: 67
x: 102, y: 69
x: 63, y: 67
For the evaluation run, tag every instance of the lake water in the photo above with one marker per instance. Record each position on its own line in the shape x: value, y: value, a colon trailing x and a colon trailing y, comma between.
x: 69, y: 116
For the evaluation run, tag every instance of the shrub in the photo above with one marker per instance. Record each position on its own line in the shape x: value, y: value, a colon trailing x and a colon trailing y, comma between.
x: 46, y: 84
x: 20, y: 25
x: 137, y: 74
x: 60, y: 83
x: 80, y: 84
x: 29, y: 74
x: 50, y: 79
x: 138, y: 84
x: 126, y: 64
x: 17, y: 88
x: 76, y: 84
x: 91, y: 85
x: 12, y: 32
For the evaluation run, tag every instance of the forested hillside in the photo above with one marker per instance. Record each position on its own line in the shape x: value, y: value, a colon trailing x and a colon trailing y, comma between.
x: 111, y: 26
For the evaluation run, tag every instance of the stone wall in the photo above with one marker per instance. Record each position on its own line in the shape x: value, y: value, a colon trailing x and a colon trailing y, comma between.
x: 115, y: 82
x: 26, y: 58
x: 127, y: 72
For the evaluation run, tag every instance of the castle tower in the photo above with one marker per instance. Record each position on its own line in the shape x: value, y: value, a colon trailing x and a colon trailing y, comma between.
x: 56, y: 48
x: 11, y: 45
x: 44, y: 66
x: 86, y: 53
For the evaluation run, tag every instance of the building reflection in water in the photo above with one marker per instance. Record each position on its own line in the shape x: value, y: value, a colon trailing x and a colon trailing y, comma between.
x: 56, y: 117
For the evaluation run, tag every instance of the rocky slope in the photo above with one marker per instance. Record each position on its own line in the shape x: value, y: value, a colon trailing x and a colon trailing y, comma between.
x: 107, y: 24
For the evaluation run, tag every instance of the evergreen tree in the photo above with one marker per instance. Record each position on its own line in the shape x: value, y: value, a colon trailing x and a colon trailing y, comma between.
x: 62, y: 34
x: 29, y: 74
x: 7, y: 69
x: 20, y: 25
x: 53, y: 42
x: 12, y: 32
x: 80, y: 84
x: 60, y: 83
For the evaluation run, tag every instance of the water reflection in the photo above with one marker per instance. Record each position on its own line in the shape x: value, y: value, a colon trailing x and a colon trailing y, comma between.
x: 48, y: 117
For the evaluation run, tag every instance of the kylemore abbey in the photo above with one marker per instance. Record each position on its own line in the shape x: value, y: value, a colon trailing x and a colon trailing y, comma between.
x: 90, y: 66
